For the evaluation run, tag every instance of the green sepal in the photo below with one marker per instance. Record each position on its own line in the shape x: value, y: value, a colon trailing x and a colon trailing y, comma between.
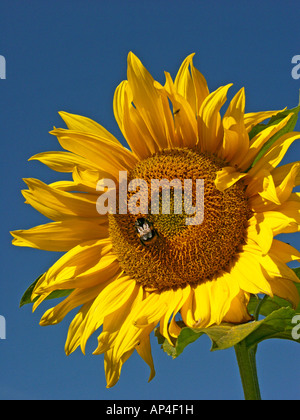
x: 288, y: 128
x: 26, y: 298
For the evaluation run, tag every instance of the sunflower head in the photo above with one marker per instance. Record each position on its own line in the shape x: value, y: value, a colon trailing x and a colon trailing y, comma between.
x: 180, y: 254
x: 141, y: 266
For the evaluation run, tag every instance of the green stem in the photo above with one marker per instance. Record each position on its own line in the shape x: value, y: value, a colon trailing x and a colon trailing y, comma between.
x: 258, y: 307
x: 247, y: 366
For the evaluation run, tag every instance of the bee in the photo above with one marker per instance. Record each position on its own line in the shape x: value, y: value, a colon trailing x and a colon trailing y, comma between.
x: 145, y: 230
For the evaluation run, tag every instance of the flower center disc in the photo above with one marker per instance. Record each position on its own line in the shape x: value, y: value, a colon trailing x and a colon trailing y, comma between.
x: 181, y: 254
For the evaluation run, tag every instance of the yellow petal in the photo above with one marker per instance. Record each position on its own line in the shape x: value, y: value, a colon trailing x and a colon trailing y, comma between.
x: 108, y: 156
x: 118, y: 103
x: 147, y: 100
x: 76, y: 329
x: 281, y: 172
x: 274, y: 267
x: 152, y: 308
x: 267, y: 194
x: 259, y: 140
x: 110, y: 299
x: 285, y: 188
x: 188, y: 308
x: 38, y: 301
x: 106, y: 269
x: 236, y: 140
x: 211, y: 301
x: 221, y: 292
x: 78, y: 297
x: 60, y: 236
x: 74, y: 262
x: 199, y: 314
x: 144, y: 350
x: 285, y: 289
x: 145, y: 314
x: 174, y: 329
x: 270, y: 195
x: 284, y: 251
x: 62, y: 161
x: 138, y: 136
x: 201, y: 88
x: 131, y: 123
x: 114, y: 321
x: 275, y: 154
x: 113, y: 366
x: 59, y: 205
x: 184, y: 117
x: 184, y: 83
x: 113, y: 359
x: 86, y: 125
x: 260, y: 233
x: 87, y: 180
x: 237, y: 312
x: 255, y: 183
x: 69, y: 186
x: 249, y: 274
x: 227, y: 177
x: 286, y: 218
x: 175, y: 302
x: 210, y: 131
x: 253, y: 118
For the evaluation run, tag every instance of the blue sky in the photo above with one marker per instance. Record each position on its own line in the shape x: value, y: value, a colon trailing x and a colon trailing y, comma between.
x: 70, y: 55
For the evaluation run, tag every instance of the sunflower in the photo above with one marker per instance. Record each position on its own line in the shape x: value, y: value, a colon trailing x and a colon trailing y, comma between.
x: 200, y: 274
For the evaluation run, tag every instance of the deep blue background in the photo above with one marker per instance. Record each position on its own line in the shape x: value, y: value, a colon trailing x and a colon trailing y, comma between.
x: 70, y: 55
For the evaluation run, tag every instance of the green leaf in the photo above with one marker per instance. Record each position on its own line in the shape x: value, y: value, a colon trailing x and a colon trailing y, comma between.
x: 26, y: 298
x: 222, y: 336
x: 268, y: 305
x: 278, y: 323
x: 289, y: 127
